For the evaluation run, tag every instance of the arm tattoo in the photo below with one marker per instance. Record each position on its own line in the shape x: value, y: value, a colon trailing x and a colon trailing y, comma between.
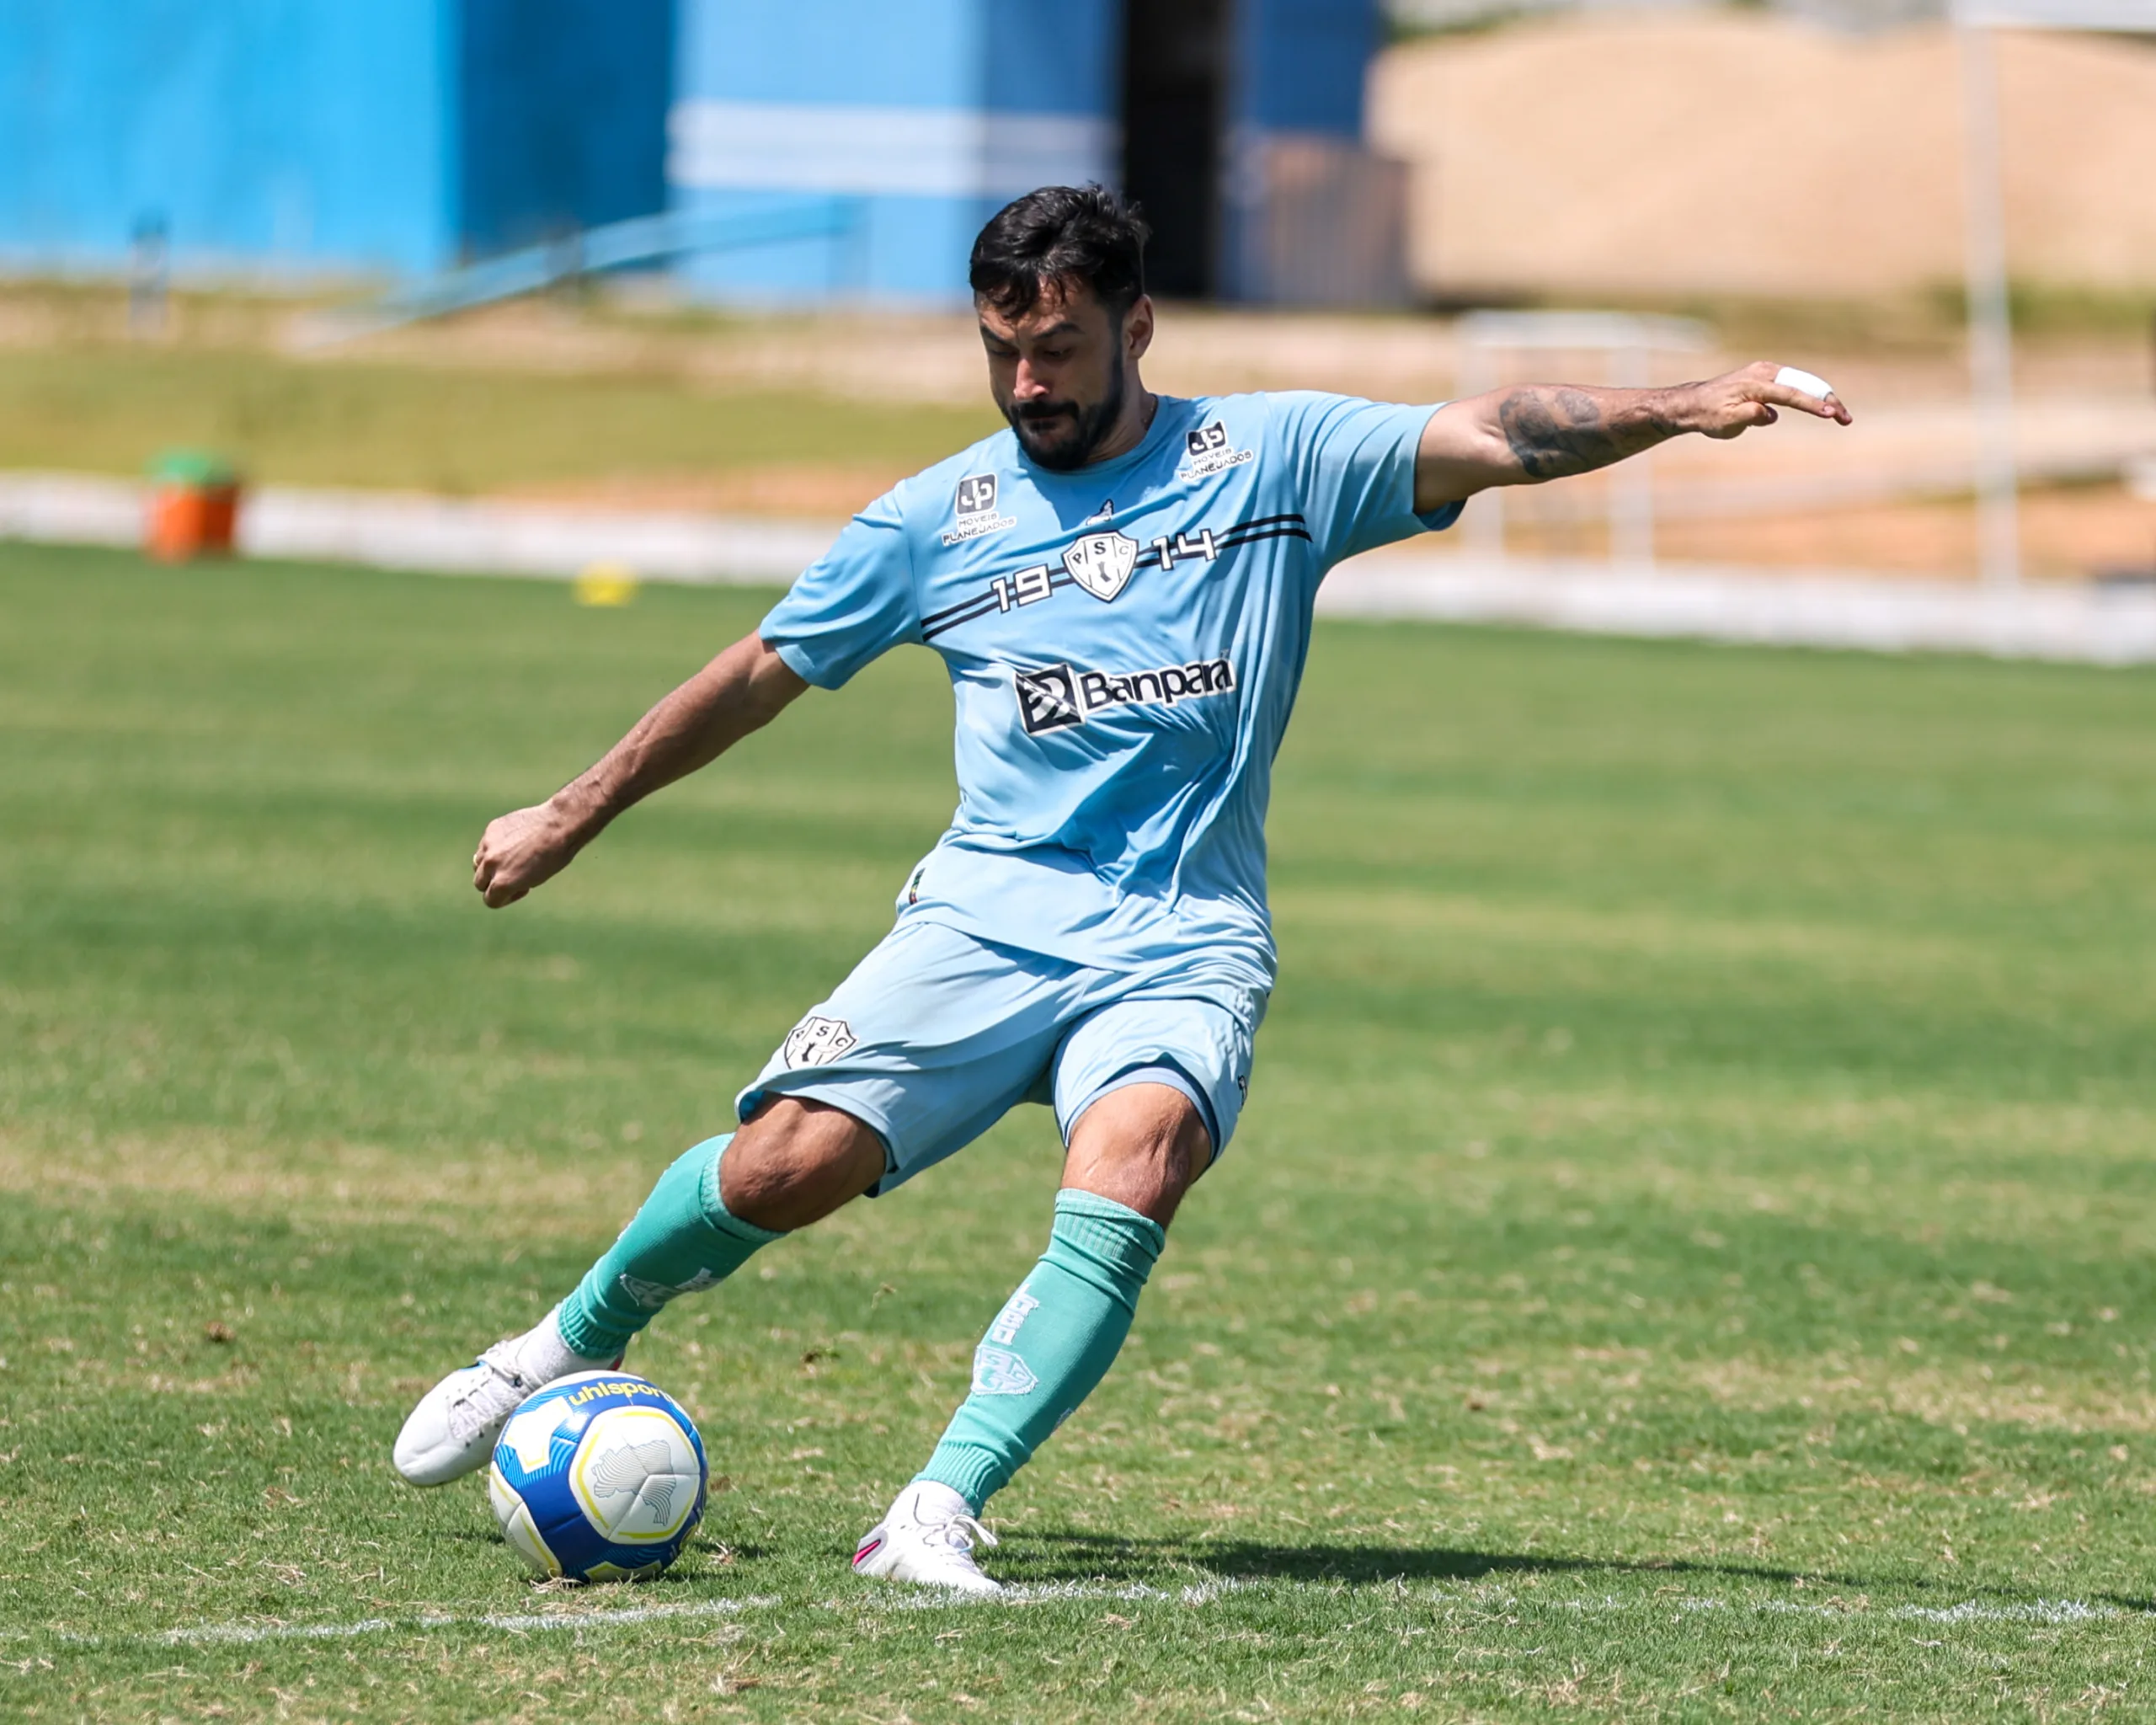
x: 1556, y: 432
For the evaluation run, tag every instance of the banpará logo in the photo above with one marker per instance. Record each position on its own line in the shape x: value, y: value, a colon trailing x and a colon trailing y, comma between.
x: 1055, y: 697
x: 975, y: 503
x: 816, y: 1042
x: 1211, y: 451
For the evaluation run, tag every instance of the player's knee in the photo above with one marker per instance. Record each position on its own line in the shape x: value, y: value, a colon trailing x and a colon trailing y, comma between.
x: 795, y: 1162
x: 1144, y: 1146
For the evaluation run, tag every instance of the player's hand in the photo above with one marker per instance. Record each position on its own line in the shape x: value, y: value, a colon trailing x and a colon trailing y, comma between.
x: 520, y: 850
x: 1730, y: 406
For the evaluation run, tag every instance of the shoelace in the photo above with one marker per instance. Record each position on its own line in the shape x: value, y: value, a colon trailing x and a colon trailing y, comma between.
x: 968, y: 1530
x: 464, y: 1412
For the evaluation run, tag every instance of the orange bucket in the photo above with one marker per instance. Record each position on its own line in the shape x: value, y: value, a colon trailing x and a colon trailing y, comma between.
x: 193, y: 507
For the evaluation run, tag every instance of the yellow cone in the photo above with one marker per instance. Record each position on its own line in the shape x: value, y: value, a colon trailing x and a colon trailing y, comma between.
x: 606, y: 584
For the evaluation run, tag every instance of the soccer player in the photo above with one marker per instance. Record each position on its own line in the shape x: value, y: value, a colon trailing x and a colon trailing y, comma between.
x: 1121, y: 586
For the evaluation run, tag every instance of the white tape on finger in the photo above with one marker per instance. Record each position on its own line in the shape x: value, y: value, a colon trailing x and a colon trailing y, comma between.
x: 1815, y: 387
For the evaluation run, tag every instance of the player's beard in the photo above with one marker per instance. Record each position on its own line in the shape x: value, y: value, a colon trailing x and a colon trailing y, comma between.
x: 1085, y: 429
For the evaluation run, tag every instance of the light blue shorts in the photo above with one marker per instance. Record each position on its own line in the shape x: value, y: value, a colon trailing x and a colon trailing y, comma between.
x: 937, y: 1035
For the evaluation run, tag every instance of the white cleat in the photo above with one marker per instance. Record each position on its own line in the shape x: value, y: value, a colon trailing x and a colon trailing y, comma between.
x: 452, y: 1431
x: 926, y: 1538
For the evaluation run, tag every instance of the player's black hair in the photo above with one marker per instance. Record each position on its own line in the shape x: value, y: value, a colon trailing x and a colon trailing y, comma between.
x: 1061, y: 233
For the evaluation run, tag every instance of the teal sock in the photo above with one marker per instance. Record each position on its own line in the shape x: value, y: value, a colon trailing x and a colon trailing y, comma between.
x: 681, y: 1241
x: 1052, y: 1342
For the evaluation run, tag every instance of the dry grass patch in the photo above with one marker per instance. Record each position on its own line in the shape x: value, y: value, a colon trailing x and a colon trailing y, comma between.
x: 330, y: 1182
x: 2050, y: 1398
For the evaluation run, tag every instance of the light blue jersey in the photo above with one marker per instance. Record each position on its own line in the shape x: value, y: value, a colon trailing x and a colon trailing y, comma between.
x: 1124, y: 643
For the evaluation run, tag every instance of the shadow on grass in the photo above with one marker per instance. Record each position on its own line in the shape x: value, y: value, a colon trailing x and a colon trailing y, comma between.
x: 1073, y: 1557
x: 1049, y: 1556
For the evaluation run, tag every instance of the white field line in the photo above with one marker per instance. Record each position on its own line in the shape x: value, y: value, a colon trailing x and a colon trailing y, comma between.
x: 1968, y: 1611
x: 2046, y: 1611
x: 1832, y: 608
x: 1024, y: 1594
x: 1844, y: 610
x: 514, y: 1622
x: 1049, y: 1593
x: 404, y: 529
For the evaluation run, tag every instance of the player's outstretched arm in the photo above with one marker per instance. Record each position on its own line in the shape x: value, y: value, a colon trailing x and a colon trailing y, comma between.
x: 1531, y: 432
x: 741, y: 691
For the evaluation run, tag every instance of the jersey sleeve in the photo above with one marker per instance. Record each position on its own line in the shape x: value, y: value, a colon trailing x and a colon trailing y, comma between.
x: 853, y: 604
x: 1354, y: 463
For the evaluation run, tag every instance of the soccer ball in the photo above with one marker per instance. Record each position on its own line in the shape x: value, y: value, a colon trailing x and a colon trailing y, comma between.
x: 599, y: 1478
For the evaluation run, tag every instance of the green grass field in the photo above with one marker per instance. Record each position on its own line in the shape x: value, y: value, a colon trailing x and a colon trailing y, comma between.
x: 1688, y: 1255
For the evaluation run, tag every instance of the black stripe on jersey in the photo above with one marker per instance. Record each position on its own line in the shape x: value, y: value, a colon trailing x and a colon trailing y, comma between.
x: 1272, y: 528
x: 1264, y: 527
x: 966, y: 611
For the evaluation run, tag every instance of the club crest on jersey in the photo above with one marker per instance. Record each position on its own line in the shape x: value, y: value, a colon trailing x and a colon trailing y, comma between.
x: 1101, y: 563
x: 1209, y: 450
x: 975, y: 506
x: 816, y: 1042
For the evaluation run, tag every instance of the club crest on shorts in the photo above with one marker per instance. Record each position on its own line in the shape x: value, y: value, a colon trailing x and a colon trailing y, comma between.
x: 1101, y: 563
x: 816, y: 1042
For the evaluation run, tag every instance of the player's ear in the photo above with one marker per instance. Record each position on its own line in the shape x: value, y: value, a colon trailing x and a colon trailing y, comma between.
x: 1137, y: 328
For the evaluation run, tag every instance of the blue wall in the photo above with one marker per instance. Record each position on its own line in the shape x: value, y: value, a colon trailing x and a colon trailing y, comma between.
x: 407, y: 136
x: 286, y: 132
x: 563, y: 107
x: 396, y: 135
x: 932, y: 114
x: 1299, y: 64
